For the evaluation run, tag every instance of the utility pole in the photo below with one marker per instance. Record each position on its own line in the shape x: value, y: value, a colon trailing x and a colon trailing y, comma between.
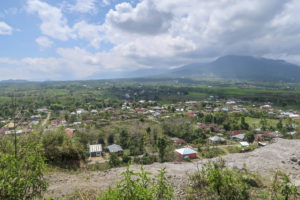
x: 13, y: 102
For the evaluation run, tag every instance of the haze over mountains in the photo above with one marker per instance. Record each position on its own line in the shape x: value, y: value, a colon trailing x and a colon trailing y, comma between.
x: 243, y: 68
x: 231, y: 67
x: 227, y: 67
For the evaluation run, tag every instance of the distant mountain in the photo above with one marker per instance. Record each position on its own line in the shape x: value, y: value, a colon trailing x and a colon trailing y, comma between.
x: 129, y: 74
x: 243, y: 68
x: 14, y: 81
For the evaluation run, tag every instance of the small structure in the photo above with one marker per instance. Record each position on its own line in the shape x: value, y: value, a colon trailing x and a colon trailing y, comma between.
x: 216, y: 140
x: 262, y: 144
x: 81, y: 111
x: 95, y: 150
x: 239, y: 136
x: 115, y: 148
x: 186, y: 152
x: 244, y: 144
x: 94, y: 111
x: 70, y: 132
x: 178, y: 141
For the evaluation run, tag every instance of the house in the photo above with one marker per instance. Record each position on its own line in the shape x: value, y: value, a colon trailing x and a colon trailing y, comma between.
x: 230, y: 102
x: 258, y: 137
x: 115, y: 148
x: 271, y: 135
x: 178, y: 141
x: 54, y: 122
x: 42, y: 110
x: 156, y: 115
x: 233, y: 133
x: 239, y: 136
x: 11, y: 125
x: 81, y: 111
x: 70, y: 132
x: 36, y: 116
x: 190, y: 115
x: 94, y: 111
x: 216, y: 140
x: 186, y: 152
x: 266, y: 107
x: 33, y: 123
x: 95, y: 150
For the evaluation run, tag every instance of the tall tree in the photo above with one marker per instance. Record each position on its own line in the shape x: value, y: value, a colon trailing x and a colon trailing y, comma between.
x: 161, y: 144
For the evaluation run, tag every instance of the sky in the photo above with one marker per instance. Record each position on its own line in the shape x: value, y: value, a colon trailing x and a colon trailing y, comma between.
x: 80, y: 39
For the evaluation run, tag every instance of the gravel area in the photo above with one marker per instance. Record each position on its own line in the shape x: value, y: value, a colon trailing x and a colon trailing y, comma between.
x: 281, y: 155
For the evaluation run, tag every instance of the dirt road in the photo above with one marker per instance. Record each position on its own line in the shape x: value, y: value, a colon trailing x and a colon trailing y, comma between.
x: 282, y: 155
x: 46, y: 120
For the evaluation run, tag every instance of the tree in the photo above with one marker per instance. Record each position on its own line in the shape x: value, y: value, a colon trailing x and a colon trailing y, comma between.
x: 208, y: 118
x: 22, y: 177
x: 244, y: 125
x: 161, y: 144
x: 148, y: 130
x: 263, y: 122
x: 61, y: 150
x: 101, y: 140
x: 279, y: 125
x: 124, y: 139
x: 249, y: 137
x: 110, y: 139
x: 114, y: 160
x: 227, y: 126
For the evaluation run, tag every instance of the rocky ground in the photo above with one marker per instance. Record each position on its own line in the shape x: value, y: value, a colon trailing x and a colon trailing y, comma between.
x: 281, y: 155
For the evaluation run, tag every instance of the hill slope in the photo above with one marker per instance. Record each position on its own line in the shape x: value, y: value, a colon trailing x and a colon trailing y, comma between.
x: 265, y: 161
x: 242, y: 67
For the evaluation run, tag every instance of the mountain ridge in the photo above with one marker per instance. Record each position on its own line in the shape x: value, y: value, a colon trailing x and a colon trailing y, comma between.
x: 242, y: 67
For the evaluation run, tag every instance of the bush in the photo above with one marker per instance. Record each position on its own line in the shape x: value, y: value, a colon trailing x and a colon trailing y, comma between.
x: 214, y: 181
x: 139, y: 185
x: 62, y: 151
x: 126, y: 158
x: 114, y: 160
x: 212, y: 152
x: 282, y: 188
x: 98, y: 166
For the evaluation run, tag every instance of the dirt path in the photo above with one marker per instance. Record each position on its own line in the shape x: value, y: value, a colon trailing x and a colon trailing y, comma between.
x: 281, y: 155
x: 46, y: 120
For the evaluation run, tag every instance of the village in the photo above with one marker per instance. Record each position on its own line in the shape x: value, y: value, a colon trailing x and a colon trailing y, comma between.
x: 204, y: 129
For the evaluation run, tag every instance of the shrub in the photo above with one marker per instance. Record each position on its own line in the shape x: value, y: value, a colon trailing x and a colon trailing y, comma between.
x: 212, y: 152
x: 282, y: 188
x: 126, y: 158
x: 135, y: 186
x: 114, y: 160
x: 214, y: 181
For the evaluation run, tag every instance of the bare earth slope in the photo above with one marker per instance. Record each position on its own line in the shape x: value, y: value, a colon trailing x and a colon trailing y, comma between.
x: 282, y: 155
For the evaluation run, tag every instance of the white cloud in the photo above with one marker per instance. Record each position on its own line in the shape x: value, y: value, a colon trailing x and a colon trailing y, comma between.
x: 44, y: 42
x: 189, y: 31
x: 84, y: 6
x: 145, y: 18
x: 5, y: 29
x: 89, y: 32
x: 54, y: 24
x: 106, y: 2
x: 167, y: 33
